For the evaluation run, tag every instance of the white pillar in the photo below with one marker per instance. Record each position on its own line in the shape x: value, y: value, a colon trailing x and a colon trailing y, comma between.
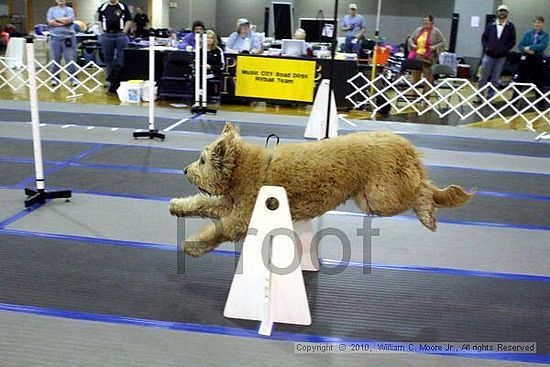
x: 161, y: 11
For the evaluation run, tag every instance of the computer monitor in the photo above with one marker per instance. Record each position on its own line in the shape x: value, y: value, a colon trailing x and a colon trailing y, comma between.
x: 314, y: 29
x: 293, y: 47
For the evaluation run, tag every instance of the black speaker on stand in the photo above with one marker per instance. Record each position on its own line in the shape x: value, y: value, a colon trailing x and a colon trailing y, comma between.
x: 454, y: 32
x: 266, y: 21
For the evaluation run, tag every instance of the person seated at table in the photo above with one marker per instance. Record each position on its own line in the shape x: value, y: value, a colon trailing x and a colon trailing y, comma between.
x: 5, y: 36
x: 300, y: 34
x: 188, y: 42
x: 243, y: 40
x: 215, y: 58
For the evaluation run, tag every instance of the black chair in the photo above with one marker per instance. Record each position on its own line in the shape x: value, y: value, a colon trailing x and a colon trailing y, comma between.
x: 407, y: 66
x: 176, y: 81
x: 411, y: 64
x: 440, y: 72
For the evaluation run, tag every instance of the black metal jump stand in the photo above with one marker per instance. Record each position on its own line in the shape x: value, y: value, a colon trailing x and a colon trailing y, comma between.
x: 39, y: 196
x: 151, y: 134
x: 203, y: 109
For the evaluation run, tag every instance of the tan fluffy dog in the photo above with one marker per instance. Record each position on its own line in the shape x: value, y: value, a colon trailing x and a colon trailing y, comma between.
x: 381, y: 171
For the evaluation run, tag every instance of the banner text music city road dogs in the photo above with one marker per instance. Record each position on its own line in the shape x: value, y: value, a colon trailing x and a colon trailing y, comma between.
x: 275, y: 78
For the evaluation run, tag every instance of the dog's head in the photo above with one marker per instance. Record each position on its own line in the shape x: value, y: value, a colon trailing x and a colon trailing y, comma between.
x: 212, y: 172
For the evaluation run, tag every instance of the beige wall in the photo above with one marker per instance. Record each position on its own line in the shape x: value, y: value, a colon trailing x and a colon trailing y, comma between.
x: 469, y: 38
x: 160, y: 14
x: 522, y: 13
x: 187, y: 11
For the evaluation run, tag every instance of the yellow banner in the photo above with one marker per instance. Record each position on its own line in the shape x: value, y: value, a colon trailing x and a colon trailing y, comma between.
x: 275, y: 78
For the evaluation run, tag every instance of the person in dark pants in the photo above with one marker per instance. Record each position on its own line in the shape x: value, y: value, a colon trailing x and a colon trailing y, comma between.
x: 532, y: 46
x: 498, y: 39
x: 62, y: 40
x: 115, y: 20
x: 141, y: 21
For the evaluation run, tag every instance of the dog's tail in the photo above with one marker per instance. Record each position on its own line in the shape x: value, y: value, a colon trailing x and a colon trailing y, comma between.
x: 431, y: 197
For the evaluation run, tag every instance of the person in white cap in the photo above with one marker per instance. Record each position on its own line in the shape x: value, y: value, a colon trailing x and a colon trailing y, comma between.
x: 497, y: 40
x: 355, y: 27
x: 243, y: 40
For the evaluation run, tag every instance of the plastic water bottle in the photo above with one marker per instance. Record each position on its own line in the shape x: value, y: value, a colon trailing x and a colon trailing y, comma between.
x: 247, y: 44
x: 174, y: 41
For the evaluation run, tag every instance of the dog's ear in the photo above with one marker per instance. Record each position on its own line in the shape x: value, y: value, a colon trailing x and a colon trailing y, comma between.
x: 224, y: 153
x: 218, y: 151
x: 230, y: 129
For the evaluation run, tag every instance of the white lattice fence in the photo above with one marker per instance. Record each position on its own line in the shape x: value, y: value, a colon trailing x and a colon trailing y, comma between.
x: 15, y: 78
x: 456, y: 95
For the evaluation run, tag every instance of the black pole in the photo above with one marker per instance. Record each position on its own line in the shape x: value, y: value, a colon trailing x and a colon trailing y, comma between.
x: 333, y: 51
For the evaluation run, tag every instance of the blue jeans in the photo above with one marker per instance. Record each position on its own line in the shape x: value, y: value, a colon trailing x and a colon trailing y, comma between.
x: 58, y: 49
x: 491, y: 68
x: 112, y: 46
x: 352, y: 45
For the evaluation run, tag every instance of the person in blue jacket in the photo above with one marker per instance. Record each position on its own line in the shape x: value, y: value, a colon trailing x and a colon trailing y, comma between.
x: 532, y: 46
x: 188, y: 42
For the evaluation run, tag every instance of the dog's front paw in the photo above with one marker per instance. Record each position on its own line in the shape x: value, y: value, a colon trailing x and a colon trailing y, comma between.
x: 177, y: 207
x: 195, y: 248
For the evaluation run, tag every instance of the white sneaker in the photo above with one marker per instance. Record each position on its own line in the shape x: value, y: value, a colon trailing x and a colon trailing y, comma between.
x: 55, y: 83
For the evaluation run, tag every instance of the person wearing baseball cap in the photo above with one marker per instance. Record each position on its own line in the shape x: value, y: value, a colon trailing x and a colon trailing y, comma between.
x: 243, y: 40
x: 498, y: 39
x: 355, y: 27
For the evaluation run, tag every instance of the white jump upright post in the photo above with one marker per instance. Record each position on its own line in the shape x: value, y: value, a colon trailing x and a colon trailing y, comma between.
x: 153, y: 132
x: 268, y: 285
x: 38, y: 195
x: 317, y: 123
x: 201, y: 73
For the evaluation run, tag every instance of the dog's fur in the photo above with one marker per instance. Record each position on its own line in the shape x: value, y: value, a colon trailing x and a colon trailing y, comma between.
x: 381, y: 171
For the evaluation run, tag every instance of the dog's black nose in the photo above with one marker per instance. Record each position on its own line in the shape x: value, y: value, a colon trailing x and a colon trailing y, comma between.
x: 185, y: 171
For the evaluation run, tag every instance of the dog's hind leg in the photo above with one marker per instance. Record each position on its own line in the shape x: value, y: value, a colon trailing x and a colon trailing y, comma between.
x: 381, y: 203
x: 362, y: 203
x: 429, y: 197
x: 424, y: 207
